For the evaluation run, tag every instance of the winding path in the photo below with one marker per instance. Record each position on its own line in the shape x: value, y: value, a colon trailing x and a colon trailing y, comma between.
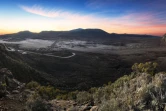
x: 8, y: 49
x: 49, y: 55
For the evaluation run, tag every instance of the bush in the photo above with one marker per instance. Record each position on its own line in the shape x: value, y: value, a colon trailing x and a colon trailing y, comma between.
x: 148, y: 67
x: 112, y: 105
x: 32, y: 85
x: 124, y: 79
x: 99, y: 95
x: 47, y: 92
x: 72, y: 95
x: 35, y: 103
x: 84, y: 97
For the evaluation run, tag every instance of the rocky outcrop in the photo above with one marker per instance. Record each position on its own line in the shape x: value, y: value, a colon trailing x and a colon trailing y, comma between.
x: 8, y: 84
x: 70, y: 105
x: 163, y: 40
x: 11, y: 92
x: 94, y: 108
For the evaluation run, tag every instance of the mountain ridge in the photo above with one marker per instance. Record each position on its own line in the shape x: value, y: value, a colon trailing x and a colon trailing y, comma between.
x: 72, y: 34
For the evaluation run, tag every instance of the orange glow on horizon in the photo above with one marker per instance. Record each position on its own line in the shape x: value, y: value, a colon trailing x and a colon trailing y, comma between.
x: 118, y: 31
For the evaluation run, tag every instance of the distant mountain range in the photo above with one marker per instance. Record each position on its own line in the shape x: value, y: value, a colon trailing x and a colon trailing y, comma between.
x: 72, y: 34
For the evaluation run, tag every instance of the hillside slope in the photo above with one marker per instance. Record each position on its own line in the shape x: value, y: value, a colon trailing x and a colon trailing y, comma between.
x: 80, y: 72
x: 135, y: 92
x: 139, y: 91
x: 22, y: 71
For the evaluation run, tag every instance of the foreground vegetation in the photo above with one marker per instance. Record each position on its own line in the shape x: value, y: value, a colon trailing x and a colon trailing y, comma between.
x: 143, y: 89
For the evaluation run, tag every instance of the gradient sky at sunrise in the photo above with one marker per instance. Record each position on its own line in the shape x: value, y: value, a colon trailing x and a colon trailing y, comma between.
x: 113, y: 16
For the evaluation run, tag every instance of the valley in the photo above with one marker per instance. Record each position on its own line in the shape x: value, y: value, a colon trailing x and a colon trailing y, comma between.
x: 81, y: 63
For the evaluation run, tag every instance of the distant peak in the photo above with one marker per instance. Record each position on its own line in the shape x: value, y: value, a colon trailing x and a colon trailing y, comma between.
x: 96, y: 29
x: 79, y: 29
x: 26, y: 31
x: 89, y: 30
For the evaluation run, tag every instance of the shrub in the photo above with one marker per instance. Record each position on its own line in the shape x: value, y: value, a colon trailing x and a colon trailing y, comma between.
x: 148, y: 67
x: 99, y: 95
x: 119, y: 82
x: 32, y: 85
x: 84, y: 97
x: 47, y: 92
x: 72, y: 95
x: 37, y: 104
x: 112, y: 105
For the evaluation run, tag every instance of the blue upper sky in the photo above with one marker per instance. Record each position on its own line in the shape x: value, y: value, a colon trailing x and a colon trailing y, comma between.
x: 118, y: 16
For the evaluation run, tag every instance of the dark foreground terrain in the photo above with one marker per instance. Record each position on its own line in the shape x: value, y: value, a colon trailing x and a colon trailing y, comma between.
x: 143, y: 89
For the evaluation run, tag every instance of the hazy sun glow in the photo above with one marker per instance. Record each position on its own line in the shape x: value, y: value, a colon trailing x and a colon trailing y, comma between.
x: 109, y: 15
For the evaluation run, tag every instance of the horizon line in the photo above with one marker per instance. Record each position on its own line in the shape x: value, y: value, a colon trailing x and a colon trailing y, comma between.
x: 14, y: 32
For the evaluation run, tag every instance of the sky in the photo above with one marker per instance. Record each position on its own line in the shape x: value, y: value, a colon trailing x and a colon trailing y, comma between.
x: 113, y: 16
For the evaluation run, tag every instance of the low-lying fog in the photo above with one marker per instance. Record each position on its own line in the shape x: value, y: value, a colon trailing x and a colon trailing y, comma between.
x: 82, y: 45
x: 69, y: 44
x: 31, y: 43
x: 65, y: 44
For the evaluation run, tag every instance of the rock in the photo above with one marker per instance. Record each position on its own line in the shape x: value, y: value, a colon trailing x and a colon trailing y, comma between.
x: 94, y: 108
x: 85, y: 107
x: 15, y: 92
x: 74, y: 104
x: 8, y: 84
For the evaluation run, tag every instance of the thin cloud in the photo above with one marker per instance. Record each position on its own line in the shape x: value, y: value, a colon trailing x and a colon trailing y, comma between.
x: 40, y: 11
x: 53, y: 13
x: 129, y: 19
